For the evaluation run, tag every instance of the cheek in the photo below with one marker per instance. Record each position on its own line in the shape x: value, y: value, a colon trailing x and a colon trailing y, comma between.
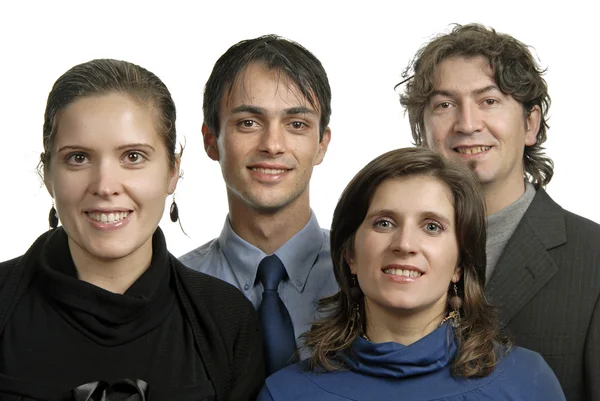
x: 436, y: 133
x: 67, y: 188
x: 367, y: 252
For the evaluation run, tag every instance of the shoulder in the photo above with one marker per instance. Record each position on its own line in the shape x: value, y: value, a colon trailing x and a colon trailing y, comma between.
x: 6, y: 267
x: 291, y: 383
x: 211, y: 289
x: 526, y: 373
x: 558, y: 226
x: 200, y: 256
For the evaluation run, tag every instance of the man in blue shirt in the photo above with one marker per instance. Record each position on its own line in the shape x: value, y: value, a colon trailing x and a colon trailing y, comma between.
x: 266, y: 115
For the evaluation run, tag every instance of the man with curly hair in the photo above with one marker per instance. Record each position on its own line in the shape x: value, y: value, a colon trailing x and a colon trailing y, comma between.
x: 478, y: 97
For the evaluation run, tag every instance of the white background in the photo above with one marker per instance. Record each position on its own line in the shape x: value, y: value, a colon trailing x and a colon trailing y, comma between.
x: 364, y: 47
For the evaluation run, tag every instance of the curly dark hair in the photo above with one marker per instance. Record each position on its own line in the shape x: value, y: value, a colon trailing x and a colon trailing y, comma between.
x: 515, y: 71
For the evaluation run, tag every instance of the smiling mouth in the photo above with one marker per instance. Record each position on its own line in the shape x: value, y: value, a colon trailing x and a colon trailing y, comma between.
x: 108, y: 218
x: 472, y: 150
x: 403, y: 272
x: 273, y: 171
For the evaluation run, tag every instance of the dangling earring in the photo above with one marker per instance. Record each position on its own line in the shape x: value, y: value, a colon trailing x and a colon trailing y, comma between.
x: 174, y: 215
x: 355, y: 289
x: 174, y: 211
x: 53, y: 218
x: 356, y: 324
x: 456, y: 303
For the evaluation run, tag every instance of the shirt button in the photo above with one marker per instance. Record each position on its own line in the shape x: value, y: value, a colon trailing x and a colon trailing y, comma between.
x: 246, y: 287
x: 298, y: 283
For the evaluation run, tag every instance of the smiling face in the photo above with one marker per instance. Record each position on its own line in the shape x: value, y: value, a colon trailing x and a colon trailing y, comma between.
x: 109, y: 175
x: 405, y: 251
x: 268, y: 143
x: 470, y: 120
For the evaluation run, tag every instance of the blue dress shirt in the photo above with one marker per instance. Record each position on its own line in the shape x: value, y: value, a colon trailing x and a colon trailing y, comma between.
x: 306, y: 257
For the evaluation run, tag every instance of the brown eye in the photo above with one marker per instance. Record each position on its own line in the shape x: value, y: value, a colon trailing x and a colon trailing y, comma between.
x: 298, y: 125
x: 247, y: 123
x: 77, y: 158
x: 133, y: 157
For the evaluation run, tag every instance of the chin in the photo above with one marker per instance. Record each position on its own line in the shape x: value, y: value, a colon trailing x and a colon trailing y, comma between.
x: 111, y: 250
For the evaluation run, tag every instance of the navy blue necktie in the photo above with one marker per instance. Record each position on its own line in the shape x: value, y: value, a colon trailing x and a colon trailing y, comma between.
x: 278, y: 331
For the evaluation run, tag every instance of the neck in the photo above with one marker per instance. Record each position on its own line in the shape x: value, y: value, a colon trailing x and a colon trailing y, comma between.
x: 114, y: 275
x: 391, y: 325
x: 268, y: 230
x: 500, y: 195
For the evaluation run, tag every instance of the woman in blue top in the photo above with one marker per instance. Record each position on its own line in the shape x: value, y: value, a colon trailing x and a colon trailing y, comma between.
x: 411, y: 321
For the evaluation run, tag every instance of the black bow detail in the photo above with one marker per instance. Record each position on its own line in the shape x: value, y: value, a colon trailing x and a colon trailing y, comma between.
x: 124, y: 390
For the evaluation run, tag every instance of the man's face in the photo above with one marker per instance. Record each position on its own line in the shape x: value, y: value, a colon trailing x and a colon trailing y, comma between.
x: 268, y: 141
x: 471, y: 120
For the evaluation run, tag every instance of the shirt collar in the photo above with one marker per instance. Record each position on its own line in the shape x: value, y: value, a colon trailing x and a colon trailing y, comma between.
x: 298, y: 255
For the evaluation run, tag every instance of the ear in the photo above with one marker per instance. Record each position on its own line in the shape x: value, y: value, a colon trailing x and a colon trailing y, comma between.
x: 532, y: 125
x: 349, y: 258
x: 174, y: 175
x: 210, y: 143
x: 48, y: 181
x: 323, y: 146
x: 457, y: 274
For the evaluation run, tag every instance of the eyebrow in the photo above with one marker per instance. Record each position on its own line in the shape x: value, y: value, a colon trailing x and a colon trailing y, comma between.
x: 246, y: 108
x: 122, y: 147
x: 424, y: 214
x: 474, y: 92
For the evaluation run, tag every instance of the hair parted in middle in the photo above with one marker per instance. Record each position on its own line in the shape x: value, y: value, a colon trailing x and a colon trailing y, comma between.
x: 515, y: 72
x: 478, y: 332
x: 296, y: 63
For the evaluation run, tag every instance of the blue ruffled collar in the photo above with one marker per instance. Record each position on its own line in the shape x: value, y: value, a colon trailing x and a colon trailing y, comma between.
x: 431, y: 353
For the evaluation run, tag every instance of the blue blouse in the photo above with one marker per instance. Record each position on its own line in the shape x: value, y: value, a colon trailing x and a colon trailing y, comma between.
x: 418, y: 372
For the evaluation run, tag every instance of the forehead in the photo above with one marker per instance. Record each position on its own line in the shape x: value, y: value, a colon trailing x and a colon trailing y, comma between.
x: 260, y: 86
x: 106, y: 118
x: 414, y: 194
x: 463, y: 74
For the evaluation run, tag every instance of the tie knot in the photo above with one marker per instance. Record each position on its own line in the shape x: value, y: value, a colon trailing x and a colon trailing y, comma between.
x: 270, y: 272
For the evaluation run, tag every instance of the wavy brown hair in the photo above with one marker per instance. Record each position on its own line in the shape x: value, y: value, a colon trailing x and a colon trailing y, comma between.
x: 515, y: 71
x: 477, y: 331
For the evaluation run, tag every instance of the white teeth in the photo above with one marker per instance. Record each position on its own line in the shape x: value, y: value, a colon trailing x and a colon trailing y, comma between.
x: 268, y: 170
x: 108, y: 218
x: 403, y: 272
x: 473, y: 150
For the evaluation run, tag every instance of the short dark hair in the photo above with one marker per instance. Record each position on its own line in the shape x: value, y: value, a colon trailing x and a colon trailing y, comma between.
x: 515, y: 71
x: 296, y: 62
x: 477, y: 330
x: 102, y: 76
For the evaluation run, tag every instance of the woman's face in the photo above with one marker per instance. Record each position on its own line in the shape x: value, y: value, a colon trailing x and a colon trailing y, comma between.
x: 109, y: 175
x: 405, y: 251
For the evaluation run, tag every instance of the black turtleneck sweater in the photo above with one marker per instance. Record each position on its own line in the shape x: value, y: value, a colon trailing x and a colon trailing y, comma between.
x: 65, y: 333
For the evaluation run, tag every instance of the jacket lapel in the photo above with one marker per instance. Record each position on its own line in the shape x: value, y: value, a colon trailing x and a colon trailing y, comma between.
x: 525, y: 265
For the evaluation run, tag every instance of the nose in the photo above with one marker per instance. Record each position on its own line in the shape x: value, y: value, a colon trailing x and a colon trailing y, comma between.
x: 273, y: 140
x: 469, y: 119
x: 105, y: 179
x: 405, y: 240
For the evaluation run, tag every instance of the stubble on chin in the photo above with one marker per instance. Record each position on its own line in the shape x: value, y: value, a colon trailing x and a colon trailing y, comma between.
x: 472, y: 165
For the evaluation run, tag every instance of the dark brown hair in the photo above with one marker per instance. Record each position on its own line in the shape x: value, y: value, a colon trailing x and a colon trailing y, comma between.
x: 102, y: 76
x: 477, y: 332
x: 515, y: 72
x: 299, y: 65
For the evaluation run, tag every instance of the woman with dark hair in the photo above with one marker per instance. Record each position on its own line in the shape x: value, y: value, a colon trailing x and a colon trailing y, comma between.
x: 411, y: 321
x: 98, y: 309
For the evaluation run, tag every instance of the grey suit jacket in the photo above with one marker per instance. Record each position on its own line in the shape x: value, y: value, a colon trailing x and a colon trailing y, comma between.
x: 547, y: 286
